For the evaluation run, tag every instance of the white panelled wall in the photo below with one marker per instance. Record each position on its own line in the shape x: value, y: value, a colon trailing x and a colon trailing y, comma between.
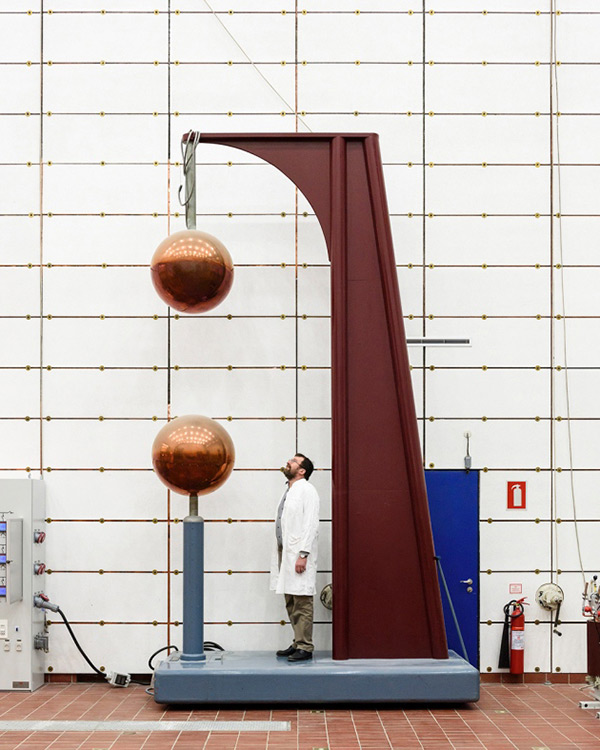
x: 491, y: 159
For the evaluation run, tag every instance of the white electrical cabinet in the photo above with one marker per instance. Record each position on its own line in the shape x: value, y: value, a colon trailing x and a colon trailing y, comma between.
x: 23, y: 636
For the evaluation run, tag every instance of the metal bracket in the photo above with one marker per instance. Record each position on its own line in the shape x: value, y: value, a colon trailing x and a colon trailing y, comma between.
x: 438, y: 342
x: 188, y: 145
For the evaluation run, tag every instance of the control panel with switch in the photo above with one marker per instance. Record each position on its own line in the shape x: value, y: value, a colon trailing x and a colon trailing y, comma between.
x: 23, y: 636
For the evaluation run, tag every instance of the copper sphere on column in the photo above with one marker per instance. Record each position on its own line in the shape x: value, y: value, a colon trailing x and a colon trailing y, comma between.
x: 193, y: 455
x: 192, y: 271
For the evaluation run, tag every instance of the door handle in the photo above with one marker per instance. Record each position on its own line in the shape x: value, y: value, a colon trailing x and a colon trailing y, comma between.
x: 469, y: 581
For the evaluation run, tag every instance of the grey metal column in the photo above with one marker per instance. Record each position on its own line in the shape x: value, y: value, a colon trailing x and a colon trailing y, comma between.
x: 193, y: 585
x: 189, y: 171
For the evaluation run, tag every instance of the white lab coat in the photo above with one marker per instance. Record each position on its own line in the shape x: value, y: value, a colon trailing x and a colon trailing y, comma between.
x: 300, y: 532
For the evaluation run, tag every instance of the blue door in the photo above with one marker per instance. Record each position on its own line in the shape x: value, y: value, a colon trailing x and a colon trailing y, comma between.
x: 454, y: 509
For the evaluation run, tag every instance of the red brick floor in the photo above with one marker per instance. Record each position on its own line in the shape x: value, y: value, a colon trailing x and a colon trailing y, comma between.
x: 527, y: 717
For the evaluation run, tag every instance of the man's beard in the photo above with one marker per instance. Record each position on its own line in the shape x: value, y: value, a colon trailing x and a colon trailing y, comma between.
x: 287, y: 473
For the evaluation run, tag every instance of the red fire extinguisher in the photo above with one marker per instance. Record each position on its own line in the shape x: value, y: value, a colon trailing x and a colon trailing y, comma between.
x: 512, y: 649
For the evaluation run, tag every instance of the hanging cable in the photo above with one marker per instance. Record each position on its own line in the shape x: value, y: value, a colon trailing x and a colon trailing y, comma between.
x: 76, y: 642
x: 156, y: 653
x: 553, y: 63
x: 256, y: 68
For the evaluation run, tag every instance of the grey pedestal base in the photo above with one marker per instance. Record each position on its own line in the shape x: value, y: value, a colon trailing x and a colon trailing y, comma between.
x: 260, y: 677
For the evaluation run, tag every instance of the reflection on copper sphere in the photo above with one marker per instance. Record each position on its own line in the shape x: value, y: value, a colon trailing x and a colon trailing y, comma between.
x: 192, y: 271
x: 193, y: 455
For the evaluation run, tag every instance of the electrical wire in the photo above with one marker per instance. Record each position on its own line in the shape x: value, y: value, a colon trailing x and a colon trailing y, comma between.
x: 76, y: 642
x: 94, y: 667
x: 156, y: 653
x: 554, y: 65
x: 265, y: 79
x: 208, y: 646
x: 212, y: 646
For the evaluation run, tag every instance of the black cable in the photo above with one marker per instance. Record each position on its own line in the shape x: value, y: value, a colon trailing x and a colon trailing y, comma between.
x: 212, y: 646
x: 160, y: 650
x: 556, y: 620
x: 208, y: 646
x: 76, y: 642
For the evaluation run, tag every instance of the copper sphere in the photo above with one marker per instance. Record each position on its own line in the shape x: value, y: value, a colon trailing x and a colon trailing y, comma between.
x: 192, y: 271
x: 193, y: 455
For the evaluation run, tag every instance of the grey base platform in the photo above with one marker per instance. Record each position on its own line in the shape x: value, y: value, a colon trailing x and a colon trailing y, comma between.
x: 261, y: 677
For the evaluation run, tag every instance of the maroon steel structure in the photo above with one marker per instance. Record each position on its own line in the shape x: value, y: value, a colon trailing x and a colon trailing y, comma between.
x: 386, y: 601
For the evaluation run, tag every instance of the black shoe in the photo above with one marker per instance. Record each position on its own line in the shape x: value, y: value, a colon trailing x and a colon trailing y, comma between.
x: 287, y: 651
x: 300, y: 655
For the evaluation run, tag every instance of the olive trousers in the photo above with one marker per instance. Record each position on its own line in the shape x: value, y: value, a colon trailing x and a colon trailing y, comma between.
x: 300, y: 612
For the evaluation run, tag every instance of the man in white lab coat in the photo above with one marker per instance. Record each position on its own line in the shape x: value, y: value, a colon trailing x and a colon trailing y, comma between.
x: 294, y: 560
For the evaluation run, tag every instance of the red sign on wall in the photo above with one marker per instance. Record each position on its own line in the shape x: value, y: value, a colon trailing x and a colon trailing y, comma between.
x: 516, y: 497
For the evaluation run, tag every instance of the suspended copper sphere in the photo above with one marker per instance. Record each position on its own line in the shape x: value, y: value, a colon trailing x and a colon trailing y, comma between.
x: 193, y: 455
x: 192, y: 271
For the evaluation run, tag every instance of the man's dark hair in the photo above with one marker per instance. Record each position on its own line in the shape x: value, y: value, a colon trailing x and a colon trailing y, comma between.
x: 307, y: 465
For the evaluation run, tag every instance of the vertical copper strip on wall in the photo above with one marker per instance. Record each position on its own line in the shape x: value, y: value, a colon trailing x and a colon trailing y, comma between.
x: 41, y: 203
x: 552, y: 327
x: 168, y: 618
x: 423, y: 352
x: 296, y: 347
